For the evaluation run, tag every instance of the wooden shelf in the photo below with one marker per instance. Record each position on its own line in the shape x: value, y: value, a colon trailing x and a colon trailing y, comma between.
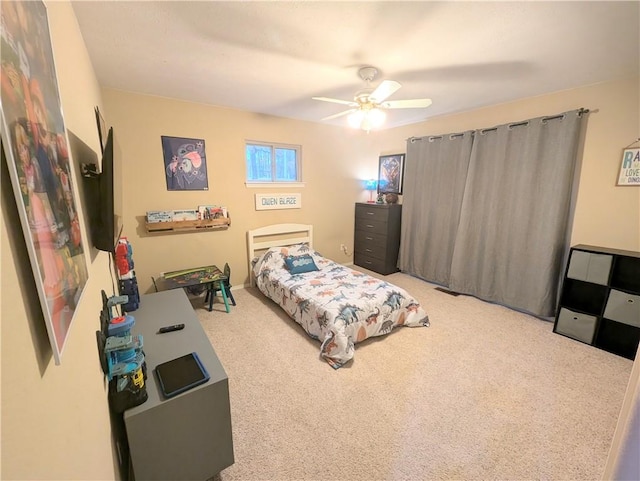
x: 188, y: 225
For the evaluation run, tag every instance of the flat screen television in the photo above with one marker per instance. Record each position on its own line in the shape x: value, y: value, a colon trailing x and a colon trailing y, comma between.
x: 85, y: 162
x: 103, y: 206
x: 107, y: 226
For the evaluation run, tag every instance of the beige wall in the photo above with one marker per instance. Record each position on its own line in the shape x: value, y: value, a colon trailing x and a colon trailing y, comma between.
x: 335, y: 161
x: 55, y: 419
x: 55, y: 422
x: 605, y: 215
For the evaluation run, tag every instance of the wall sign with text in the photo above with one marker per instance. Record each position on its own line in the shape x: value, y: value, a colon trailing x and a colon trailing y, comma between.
x: 278, y: 201
x: 630, y: 167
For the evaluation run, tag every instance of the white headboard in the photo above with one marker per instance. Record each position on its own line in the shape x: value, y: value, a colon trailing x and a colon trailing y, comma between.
x: 275, y: 236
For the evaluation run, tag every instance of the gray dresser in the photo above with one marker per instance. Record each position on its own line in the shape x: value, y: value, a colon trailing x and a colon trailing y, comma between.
x: 187, y: 436
x: 600, y: 300
x: 377, y: 237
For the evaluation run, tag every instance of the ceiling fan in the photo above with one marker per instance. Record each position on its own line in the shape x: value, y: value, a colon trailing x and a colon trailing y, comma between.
x: 368, y: 105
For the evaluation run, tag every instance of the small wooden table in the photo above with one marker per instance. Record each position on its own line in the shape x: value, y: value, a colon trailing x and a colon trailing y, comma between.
x: 195, y: 276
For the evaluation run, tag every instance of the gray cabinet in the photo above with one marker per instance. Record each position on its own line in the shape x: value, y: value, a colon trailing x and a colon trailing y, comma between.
x: 377, y: 237
x: 600, y: 299
x: 187, y: 436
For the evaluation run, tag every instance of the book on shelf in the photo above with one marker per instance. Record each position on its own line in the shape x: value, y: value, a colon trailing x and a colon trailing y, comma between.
x: 209, y: 212
x: 159, y: 216
x: 186, y: 214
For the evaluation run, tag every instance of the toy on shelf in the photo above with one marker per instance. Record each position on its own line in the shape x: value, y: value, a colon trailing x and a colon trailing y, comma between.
x: 121, y: 356
x: 127, y: 282
x: 124, y: 256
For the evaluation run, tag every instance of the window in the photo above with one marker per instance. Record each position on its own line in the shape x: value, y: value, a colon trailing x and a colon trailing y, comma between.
x: 268, y: 162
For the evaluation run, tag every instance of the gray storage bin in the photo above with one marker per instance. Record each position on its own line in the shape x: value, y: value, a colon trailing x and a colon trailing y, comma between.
x: 590, y: 267
x: 576, y: 325
x: 623, y: 307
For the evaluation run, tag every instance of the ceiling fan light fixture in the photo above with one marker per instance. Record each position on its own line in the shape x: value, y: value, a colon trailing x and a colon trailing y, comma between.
x: 355, y: 119
x: 377, y: 117
x: 367, y: 119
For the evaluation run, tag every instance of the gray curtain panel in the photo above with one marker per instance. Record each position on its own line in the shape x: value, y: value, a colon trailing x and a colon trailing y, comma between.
x: 434, y: 181
x: 512, y: 233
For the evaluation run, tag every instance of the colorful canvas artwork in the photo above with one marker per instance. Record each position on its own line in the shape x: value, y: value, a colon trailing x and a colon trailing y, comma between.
x: 185, y: 163
x: 35, y: 144
x: 390, y: 174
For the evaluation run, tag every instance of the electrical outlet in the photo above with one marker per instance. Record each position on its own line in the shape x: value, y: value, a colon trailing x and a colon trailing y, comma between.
x: 343, y: 248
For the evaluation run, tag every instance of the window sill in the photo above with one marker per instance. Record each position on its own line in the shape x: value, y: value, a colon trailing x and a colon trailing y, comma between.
x: 267, y: 185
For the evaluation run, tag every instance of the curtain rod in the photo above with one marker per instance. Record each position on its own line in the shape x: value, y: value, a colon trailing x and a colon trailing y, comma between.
x: 579, y: 112
x: 431, y: 138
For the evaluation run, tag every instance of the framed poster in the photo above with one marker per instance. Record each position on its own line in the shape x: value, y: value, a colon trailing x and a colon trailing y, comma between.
x: 630, y: 167
x: 35, y: 142
x: 185, y: 163
x: 390, y: 174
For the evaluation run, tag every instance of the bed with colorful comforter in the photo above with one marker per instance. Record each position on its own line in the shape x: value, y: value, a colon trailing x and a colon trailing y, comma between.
x: 335, y: 304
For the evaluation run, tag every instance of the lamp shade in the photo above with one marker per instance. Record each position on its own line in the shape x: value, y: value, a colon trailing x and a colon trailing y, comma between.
x: 371, y: 184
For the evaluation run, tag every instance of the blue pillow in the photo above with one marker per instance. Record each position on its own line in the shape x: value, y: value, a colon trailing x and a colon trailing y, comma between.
x: 300, y: 264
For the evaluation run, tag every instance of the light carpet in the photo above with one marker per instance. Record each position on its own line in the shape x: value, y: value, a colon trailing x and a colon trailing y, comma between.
x: 485, y: 392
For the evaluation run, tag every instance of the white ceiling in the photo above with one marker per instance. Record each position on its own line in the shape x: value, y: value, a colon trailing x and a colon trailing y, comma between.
x: 272, y: 57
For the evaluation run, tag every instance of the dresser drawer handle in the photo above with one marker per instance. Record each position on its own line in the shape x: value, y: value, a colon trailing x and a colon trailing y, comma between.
x: 367, y: 262
x: 369, y: 250
x: 369, y: 238
x: 371, y: 213
x: 371, y: 226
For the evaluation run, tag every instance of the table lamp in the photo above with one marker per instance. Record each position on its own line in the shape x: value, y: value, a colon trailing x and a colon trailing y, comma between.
x: 371, y: 185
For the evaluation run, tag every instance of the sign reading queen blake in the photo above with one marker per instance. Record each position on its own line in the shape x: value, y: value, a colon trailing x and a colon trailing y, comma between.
x: 278, y: 201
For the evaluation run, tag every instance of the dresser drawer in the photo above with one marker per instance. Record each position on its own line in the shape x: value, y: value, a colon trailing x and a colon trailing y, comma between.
x: 370, y: 225
x: 364, y: 239
x: 371, y: 263
x: 370, y: 250
x: 370, y: 213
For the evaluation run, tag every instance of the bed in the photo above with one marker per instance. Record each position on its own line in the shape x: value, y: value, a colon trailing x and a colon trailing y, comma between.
x: 335, y: 304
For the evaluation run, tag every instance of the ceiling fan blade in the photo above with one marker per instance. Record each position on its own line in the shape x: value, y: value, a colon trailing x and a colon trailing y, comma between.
x: 335, y: 116
x: 336, y: 101
x: 407, y: 104
x: 384, y: 90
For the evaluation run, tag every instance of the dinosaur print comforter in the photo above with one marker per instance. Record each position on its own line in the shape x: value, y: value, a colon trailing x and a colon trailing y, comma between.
x: 335, y: 304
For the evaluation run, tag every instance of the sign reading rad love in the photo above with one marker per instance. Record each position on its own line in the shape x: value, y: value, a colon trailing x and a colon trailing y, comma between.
x: 630, y: 168
x: 278, y: 201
